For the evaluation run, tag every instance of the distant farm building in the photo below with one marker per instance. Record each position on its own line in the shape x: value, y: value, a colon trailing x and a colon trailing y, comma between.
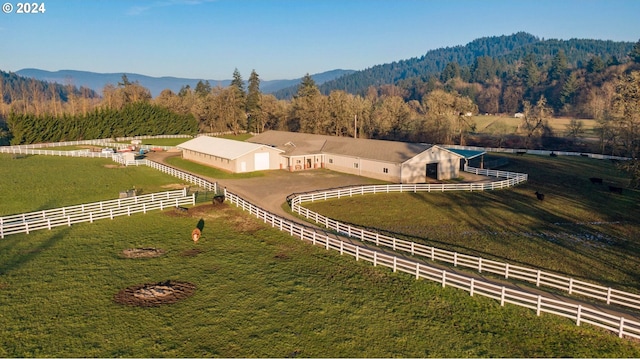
x: 392, y: 161
x: 230, y: 155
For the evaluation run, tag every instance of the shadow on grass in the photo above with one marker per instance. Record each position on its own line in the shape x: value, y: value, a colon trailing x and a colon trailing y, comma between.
x: 25, y: 257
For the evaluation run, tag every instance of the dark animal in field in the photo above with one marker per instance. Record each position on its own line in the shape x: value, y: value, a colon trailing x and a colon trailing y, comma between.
x: 615, y: 189
x: 553, y: 154
x: 540, y: 196
x: 596, y: 180
x: 520, y: 153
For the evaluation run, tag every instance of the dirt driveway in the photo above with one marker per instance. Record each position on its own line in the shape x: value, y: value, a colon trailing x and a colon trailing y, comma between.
x: 270, y: 191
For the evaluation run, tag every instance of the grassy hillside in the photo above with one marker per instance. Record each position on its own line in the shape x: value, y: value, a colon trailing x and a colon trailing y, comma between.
x: 580, y: 229
x: 259, y: 293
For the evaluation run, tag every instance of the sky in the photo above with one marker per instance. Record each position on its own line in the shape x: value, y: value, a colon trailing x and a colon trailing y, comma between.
x: 281, y: 39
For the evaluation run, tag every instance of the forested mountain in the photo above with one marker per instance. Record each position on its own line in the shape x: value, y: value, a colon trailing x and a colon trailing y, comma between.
x: 26, y: 92
x: 97, y: 81
x: 507, y: 50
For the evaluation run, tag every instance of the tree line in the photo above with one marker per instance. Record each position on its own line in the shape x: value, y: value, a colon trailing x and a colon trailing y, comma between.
x: 435, y: 111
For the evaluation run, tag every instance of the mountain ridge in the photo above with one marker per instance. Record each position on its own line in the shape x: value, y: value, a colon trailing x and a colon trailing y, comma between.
x: 96, y: 81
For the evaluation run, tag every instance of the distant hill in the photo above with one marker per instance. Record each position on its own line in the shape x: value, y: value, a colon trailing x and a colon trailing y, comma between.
x: 97, y: 81
x: 507, y: 48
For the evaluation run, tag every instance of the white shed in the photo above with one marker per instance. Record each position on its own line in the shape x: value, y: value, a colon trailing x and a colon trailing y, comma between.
x: 231, y: 155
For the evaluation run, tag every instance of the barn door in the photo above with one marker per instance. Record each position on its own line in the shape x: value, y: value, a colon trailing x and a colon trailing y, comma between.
x: 432, y: 170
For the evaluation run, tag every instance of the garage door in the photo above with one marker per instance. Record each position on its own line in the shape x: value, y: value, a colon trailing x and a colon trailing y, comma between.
x: 261, y: 161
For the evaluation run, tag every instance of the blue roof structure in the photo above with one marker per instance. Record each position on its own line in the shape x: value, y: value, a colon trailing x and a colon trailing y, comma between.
x: 468, y: 154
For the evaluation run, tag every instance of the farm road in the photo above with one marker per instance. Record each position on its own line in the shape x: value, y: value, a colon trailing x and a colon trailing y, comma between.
x: 270, y: 191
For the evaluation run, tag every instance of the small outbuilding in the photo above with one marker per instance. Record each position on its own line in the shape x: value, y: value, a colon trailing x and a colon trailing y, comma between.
x: 230, y: 155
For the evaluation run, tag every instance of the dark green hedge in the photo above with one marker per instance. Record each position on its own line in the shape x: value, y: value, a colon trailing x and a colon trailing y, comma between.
x: 136, y: 119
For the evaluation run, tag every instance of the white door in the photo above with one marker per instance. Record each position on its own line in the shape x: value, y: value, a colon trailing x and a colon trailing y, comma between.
x: 261, y: 161
x: 243, y: 166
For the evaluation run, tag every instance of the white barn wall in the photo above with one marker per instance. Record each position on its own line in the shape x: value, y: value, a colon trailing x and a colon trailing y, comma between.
x: 365, y: 167
x: 414, y: 170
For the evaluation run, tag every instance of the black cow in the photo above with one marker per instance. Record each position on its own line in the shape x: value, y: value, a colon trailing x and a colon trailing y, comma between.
x: 596, y: 180
x: 615, y: 189
x: 540, y: 196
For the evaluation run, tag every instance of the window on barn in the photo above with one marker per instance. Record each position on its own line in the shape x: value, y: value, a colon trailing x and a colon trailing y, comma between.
x: 385, y: 170
x: 330, y: 160
x: 355, y: 165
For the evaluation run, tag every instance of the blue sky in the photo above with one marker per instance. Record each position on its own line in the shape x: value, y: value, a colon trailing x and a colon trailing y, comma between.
x: 282, y: 39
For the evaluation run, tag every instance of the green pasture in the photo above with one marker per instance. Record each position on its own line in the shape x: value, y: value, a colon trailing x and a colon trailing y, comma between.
x: 492, y: 124
x: 33, y: 182
x: 259, y: 292
x: 580, y: 229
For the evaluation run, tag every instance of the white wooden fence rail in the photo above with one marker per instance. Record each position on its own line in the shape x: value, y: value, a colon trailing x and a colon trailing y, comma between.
x: 541, y: 304
x: 536, y: 152
x: 200, y: 182
x: 531, y: 275
x: 89, y: 212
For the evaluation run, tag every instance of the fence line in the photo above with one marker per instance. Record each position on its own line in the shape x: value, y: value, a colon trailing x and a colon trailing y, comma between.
x: 201, y: 182
x: 536, y: 152
x: 540, y: 278
x: 89, y: 212
x: 541, y: 304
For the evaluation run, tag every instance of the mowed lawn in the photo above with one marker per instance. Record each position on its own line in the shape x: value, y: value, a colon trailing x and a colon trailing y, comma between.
x: 580, y: 229
x: 259, y: 293
x: 35, y: 183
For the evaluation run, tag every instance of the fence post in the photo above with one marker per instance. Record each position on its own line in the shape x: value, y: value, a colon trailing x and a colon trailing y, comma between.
x: 479, y: 264
x: 417, y: 270
x: 539, y: 306
x: 444, y: 278
x: 570, y: 285
x: 621, y: 328
x: 609, y: 295
x: 341, y: 247
x: 538, y: 279
x: 471, y: 287
x: 455, y: 259
x: 357, y: 253
x: 506, y: 271
x: 502, y: 296
x: 578, y: 314
x: 375, y: 259
x: 395, y: 264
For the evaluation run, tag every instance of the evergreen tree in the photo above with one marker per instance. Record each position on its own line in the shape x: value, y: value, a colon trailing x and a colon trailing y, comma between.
x: 558, y: 67
x: 635, y: 53
x: 255, y: 119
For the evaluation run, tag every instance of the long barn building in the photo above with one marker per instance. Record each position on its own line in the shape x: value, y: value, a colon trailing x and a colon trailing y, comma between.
x: 398, y: 162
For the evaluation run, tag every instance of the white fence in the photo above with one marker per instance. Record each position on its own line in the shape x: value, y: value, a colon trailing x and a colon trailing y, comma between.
x: 536, y: 152
x: 66, y: 216
x: 531, y: 275
x: 541, y: 304
x: 32, y: 151
x: 201, y: 182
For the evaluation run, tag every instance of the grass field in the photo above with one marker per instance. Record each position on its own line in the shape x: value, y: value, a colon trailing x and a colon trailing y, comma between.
x: 259, y: 293
x: 35, y: 183
x: 488, y: 124
x: 580, y: 229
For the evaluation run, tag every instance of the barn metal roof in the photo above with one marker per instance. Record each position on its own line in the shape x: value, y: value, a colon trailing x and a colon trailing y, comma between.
x: 220, y: 147
x: 468, y: 154
x: 296, y: 144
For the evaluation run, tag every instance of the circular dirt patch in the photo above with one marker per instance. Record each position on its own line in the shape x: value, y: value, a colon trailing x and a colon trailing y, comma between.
x: 155, y: 294
x: 142, y: 252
